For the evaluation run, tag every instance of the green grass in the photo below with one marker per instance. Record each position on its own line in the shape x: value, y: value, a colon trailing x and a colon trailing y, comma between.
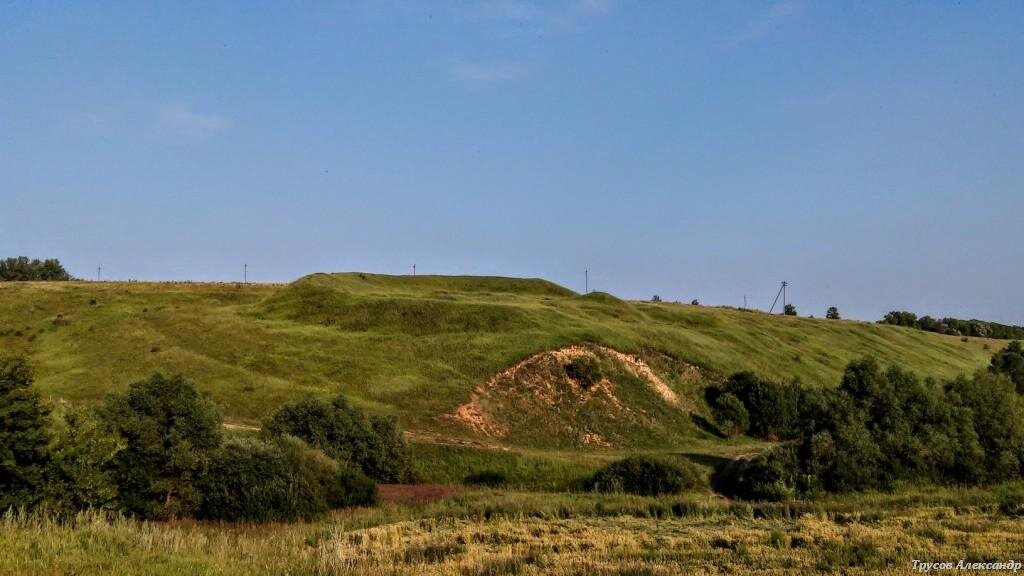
x: 415, y: 347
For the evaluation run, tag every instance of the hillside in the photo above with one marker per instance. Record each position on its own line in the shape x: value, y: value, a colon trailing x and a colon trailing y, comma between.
x: 424, y: 347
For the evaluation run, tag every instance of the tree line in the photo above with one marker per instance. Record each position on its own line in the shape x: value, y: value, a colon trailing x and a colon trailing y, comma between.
x: 954, y: 326
x: 879, y: 427
x: 157, y: 452
x: 21, y: 269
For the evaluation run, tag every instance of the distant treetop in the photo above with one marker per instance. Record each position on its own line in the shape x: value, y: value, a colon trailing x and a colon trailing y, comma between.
x: 22, y: 269
x: 954, y: 326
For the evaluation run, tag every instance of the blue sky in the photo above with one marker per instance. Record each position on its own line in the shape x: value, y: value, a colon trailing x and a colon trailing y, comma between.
x: 870, y: 153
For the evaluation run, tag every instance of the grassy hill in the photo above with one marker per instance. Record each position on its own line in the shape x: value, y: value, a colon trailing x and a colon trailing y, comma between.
x: 423, y: 347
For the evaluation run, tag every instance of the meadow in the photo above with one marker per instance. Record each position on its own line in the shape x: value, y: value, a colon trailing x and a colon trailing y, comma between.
x: 422, y: 348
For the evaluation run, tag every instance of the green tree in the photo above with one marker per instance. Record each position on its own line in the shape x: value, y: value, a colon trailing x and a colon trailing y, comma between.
x: 1010, y: 361
x: 832, y: 313
x: 731, y: 415
x: 23, y: 436
x: 281, y: 480
x: 170, y: 432
x: 373, y: 445
x: 22, y: 269
x: 789, y: 310
x: 80, y: 474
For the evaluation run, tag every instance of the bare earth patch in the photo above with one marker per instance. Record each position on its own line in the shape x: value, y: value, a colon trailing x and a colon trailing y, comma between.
x: 542, y: 380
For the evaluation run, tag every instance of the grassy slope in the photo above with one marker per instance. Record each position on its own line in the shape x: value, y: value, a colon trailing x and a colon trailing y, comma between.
x: 413, y: 347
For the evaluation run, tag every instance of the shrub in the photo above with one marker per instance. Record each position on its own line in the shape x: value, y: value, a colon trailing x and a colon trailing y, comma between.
x: 489, y: 478
x: 282, y: 480
x: 772, y: 407
x: 832, y: 313
x: 373, y: 445
x: 80, y: 474
x: 789, y: 310
x: 770, y: 476
x: 23, y: 436
x: 584, y: 370
x: 170, y: 432
x: 646, y: 476
x: 731, y: 415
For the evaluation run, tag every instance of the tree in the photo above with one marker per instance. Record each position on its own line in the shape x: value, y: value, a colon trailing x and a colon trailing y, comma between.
x: 23, y: 436
x: 170, y: 432
x: 22, y: 269
x: 80, y: 474
x: 731, y: 415
x: 832, y: 313
x: 789, y: 310
x: 373, y: 445
x: 1010, y: 361
x: 655, y: 298
x: 695, y: 302
x: 282, y: 480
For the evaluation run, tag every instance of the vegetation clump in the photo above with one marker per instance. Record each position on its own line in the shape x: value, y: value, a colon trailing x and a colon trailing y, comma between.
x: 373, y: 445
x: 254, y: 480
x: 646, y: 476
x: 954, y: 326
x: 23, y: 436
x: 21, y: 269
x: 585, y: 370
x: 170, y: 431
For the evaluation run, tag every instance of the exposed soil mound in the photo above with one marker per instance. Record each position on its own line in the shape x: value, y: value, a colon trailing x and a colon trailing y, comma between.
x: 580, y: 395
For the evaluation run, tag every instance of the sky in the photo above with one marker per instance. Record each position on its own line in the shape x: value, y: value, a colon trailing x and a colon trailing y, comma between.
x: 869, y: 153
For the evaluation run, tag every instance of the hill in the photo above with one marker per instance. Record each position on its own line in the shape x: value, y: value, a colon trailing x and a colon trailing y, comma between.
x: 424, y: 348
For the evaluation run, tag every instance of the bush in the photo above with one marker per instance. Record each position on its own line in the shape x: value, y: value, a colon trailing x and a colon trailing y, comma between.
x: 789, y: 310
x: 23, y: 436
x: 832, y: 313
x: 770, y: 476
x: 646, y: 476
x: 772, y: 407
x: 373, y: 445
x: 283, y: 480
x: 584, y: 370
x: 170, y: 432
x: 731, y: 415
x: 489, y: 478
x: 80, y: 474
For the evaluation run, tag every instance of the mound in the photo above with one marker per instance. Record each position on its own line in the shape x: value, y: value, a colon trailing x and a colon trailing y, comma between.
x: 323, y: 299
x: 580, y: 395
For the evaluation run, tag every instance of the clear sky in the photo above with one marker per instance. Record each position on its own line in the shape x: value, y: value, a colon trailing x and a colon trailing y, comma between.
x: 870, y: 153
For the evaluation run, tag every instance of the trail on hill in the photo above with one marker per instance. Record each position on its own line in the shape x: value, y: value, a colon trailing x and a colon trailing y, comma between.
x: 542, y: 388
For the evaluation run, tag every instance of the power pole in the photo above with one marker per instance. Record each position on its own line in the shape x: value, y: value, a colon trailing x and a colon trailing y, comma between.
x: 781, y: 292
x: 98, y: 270
x: 744, y: 301
x: 586, y: 281
x: 245, y: 273
x: 414, y: 269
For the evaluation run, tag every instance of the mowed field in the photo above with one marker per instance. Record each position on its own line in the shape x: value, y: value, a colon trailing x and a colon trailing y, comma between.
x: 494, y: 533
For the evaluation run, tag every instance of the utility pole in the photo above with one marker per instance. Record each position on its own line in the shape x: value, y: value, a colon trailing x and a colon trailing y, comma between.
x: 98, y: 270
x: 414, y: 269
x: 744, y: 301
x: 245, y: 273
x: 781, y: 292
x: 586, y: 281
